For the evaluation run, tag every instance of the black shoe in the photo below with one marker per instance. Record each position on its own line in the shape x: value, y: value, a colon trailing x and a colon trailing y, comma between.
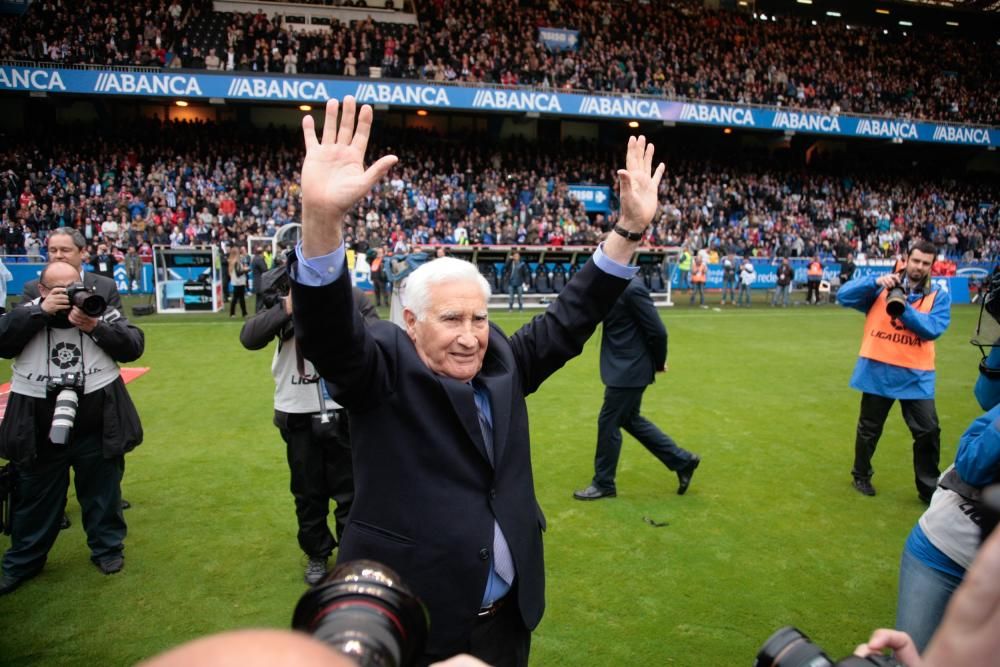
x: 594, y: 493
x: 684, y: 476
x: 65, y: 523
x: 111, y: 565
x: 925, y: 498
x: 9, y: 584
x: 864, y: 486
x: 126, y: 504
x: 315, y: 570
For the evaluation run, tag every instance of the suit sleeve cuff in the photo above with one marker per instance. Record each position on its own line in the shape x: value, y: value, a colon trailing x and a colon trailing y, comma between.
x: 318, y: 271
x: 608, y: 265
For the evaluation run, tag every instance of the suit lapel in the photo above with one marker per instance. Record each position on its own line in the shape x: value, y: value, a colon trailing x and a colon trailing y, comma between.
x: 464, y: 403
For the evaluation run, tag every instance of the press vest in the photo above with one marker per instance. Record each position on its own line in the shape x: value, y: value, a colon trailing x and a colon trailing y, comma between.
x: 699, y: 274
x: 295, y: 393
x: 815, y: 269
x: 892, y: 343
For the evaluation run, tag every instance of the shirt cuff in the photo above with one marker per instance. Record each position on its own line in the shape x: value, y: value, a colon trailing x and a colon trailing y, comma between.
x: 608, y: 265
x: 318, y: 271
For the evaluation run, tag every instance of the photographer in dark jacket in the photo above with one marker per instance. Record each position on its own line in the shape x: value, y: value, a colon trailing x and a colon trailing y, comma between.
x: 66, y: 244
x: 312, y: 425
x: 51, y: 342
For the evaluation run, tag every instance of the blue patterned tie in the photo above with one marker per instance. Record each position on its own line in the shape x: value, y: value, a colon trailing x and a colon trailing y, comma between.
x: 503, y: 562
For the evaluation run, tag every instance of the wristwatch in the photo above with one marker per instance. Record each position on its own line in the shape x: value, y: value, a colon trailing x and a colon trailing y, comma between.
x: 631, y: 236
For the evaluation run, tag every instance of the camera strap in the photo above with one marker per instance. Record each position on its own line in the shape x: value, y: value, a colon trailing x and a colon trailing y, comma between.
x: 301, y: 367
x: 324, y: 414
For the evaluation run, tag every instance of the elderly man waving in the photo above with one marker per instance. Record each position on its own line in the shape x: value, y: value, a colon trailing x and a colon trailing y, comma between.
x: 444, y: 489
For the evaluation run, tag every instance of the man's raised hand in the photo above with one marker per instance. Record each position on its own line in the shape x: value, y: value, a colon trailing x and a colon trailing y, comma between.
x: 639, y: 185
x: 333, y: 174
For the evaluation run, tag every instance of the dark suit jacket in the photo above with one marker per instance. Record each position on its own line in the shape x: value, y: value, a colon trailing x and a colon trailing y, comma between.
x: 24, y: 429
x: 425, y: 493
x: 634, y: 342
x: 103, y: 285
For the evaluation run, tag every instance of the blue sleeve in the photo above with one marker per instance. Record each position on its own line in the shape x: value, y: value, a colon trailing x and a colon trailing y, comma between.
x: 319, y: 271
x: 978, y: 458
x: 929, y: 326
x: 988, y: 390
x: 608, y: 265
x: 858, y: 294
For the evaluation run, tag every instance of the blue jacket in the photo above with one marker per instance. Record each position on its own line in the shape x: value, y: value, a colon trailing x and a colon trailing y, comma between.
x: 876, y: 377
x: 977, y: 462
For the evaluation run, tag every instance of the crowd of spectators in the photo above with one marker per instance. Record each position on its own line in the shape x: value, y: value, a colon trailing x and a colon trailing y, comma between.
x: 191, y: 183
x: 672, y: 48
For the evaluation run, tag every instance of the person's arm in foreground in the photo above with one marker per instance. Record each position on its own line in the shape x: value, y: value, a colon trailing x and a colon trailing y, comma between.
x: 967, y: 636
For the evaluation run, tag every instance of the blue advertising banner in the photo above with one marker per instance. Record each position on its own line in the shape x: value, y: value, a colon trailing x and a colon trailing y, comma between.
x: 595, y: 198
x: 557, y: 39
x: 240, y: 86
x: 24, y: 272
x: 767, y: 276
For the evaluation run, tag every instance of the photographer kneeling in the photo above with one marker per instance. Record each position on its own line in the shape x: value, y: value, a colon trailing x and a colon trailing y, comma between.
x: 68, y: 407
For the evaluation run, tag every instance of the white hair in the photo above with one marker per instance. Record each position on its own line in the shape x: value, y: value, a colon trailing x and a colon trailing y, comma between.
x: 441, y: 270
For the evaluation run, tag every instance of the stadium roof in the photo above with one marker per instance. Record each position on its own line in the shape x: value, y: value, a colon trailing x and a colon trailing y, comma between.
x: 971, y: 5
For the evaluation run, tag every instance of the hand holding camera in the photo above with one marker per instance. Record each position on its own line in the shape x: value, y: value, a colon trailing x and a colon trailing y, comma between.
x: 56, y: 301
x: 889, y: 280
x: 82, y: 321
x: 85, y: 306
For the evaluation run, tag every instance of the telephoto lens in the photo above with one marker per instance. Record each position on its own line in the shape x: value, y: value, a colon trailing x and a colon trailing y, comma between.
x: 789, y: 647
x: 87, y: 300
x: 895, y: 304
x: 362, y: 610
x: 64, y: 416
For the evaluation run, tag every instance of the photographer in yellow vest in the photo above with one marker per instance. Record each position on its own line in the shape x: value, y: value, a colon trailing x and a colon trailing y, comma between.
x: 905, y: 314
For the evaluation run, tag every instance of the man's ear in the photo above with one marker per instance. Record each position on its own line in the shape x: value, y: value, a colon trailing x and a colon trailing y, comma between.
x: 410, y: 318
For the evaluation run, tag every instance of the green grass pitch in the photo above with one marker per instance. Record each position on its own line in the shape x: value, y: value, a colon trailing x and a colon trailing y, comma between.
x: 770, y: 533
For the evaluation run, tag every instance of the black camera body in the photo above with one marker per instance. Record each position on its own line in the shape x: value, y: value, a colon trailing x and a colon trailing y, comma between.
x: 86, y: 299
x: 67, y: 389
x: 991, y: 294
x: 789, y: 647
x: 69, y: 380
x: 896, y: 299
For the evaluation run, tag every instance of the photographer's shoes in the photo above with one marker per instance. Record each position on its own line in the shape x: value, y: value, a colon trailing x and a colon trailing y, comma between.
x: 685, y: 474
x: 111, y: 565
x: 9, y: 584
x: 864, y: 486
x: 315, y: 571
x: 594, y: 493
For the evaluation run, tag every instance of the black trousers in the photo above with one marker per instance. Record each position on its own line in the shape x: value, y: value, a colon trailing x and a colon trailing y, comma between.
x: 621, y: 411
x: 381, y: 293
x: 239, y: 295
x: 40, y: 501
x: 921, y: 418
x: 320, y: 467
x: 812, y: 291
x: 501, y: 640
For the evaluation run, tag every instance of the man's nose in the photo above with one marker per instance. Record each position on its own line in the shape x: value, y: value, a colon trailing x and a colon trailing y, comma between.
x: 467, y: 337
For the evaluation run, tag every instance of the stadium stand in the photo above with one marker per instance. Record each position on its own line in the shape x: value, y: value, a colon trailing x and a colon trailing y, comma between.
x: 683, y: 51
x: 181, y: 183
